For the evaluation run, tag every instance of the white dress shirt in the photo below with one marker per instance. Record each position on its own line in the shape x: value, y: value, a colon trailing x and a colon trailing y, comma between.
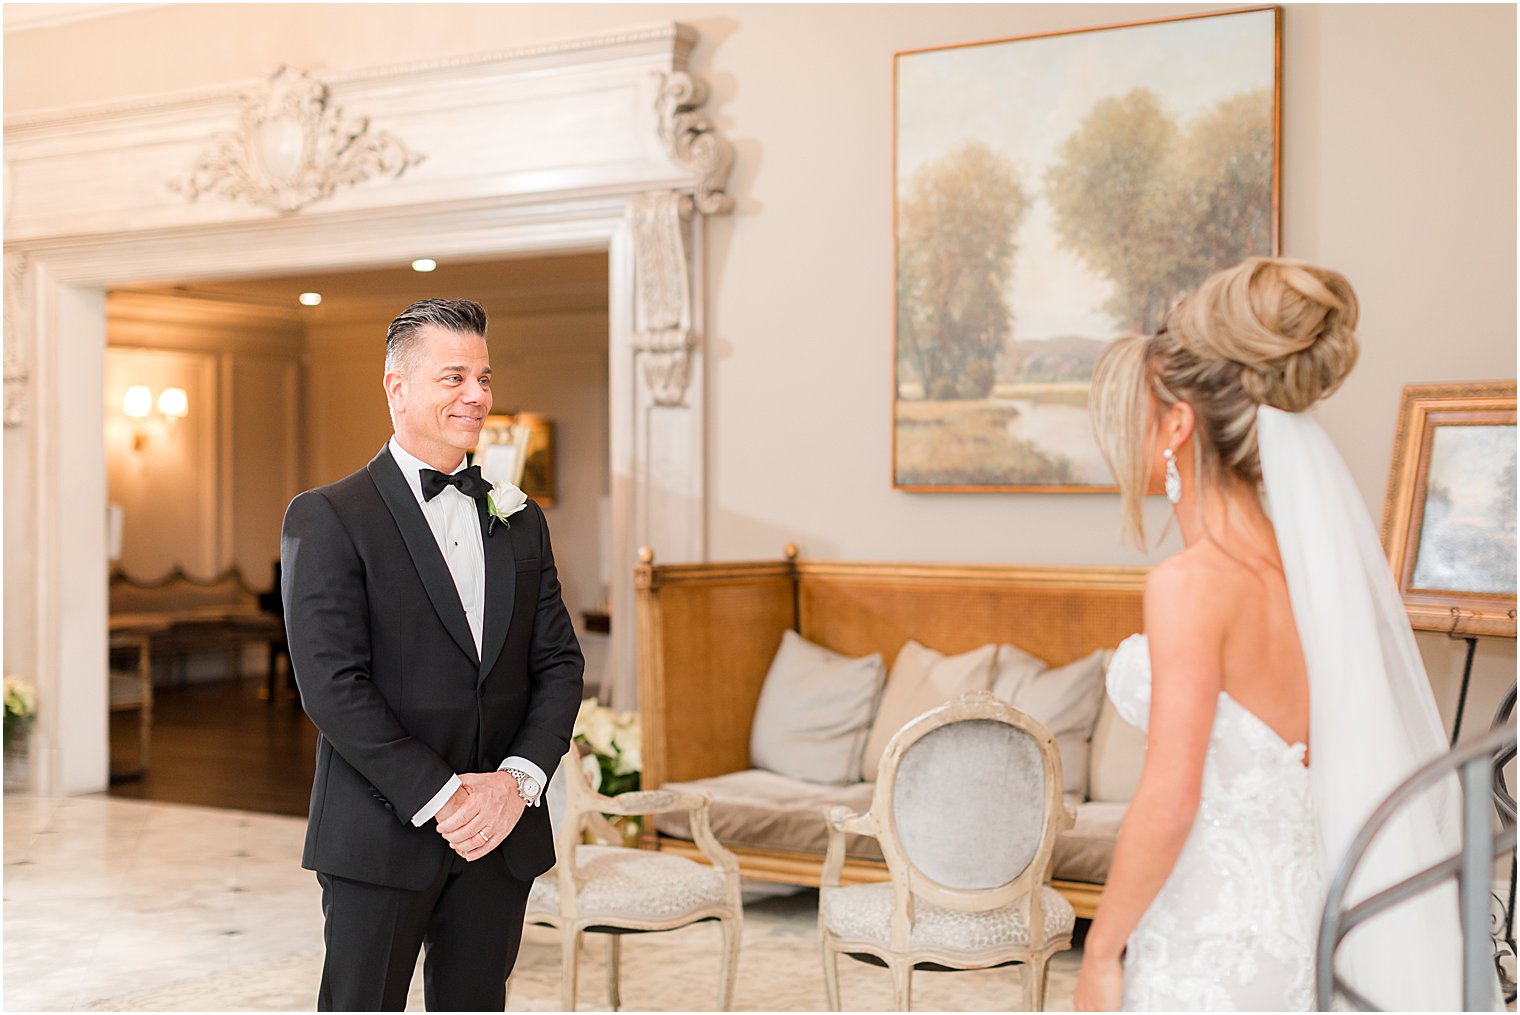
x: 455, y: 523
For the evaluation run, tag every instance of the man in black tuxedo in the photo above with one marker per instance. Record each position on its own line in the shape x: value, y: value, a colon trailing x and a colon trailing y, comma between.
x: 434, y: 654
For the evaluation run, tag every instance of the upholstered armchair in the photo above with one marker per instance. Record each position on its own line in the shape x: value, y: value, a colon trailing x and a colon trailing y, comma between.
x: 608, y: 888
x: 967, y: 806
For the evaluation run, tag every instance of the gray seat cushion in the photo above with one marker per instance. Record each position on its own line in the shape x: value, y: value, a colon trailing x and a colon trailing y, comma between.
x: 756, y: 809
x: 863, y: 913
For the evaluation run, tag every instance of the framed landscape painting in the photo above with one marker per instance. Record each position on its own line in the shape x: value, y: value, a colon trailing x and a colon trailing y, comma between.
x: 1449, y: 517
x: 1053, y: 193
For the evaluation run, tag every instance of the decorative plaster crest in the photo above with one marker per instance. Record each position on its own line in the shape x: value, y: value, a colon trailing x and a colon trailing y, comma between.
x: 692, y: 142
x: 662, y: 292
x: 292, y: 148
x: 17, y: 374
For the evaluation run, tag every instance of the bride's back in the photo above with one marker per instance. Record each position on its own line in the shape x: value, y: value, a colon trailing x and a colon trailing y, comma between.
x: 1262, y: 658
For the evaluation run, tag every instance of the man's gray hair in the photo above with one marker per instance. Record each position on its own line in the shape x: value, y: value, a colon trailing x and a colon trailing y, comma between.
x: 464, y: 316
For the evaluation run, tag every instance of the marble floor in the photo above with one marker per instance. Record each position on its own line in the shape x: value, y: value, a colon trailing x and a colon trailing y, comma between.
x: 123, y: 905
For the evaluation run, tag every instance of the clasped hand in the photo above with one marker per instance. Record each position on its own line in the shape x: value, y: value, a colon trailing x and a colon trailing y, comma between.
x: 481, y: 813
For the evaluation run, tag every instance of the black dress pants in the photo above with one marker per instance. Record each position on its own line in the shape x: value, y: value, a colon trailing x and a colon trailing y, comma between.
x: 470, y: 919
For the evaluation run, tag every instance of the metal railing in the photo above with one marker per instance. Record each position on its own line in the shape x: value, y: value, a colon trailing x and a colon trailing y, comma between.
x: 1479, y: 765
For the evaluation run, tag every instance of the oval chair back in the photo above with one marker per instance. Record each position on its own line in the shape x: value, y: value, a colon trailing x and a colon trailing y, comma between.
x: 969, y: 800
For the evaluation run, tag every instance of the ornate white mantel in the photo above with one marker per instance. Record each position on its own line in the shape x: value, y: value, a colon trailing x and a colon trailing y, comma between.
x: 585, y: 144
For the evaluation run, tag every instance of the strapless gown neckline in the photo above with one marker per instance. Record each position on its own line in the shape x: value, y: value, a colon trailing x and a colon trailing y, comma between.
x: 1233, y: 927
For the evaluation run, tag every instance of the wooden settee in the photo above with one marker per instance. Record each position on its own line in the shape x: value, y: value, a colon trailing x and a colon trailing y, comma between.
x: 707, y: 634
x: 180, y: 615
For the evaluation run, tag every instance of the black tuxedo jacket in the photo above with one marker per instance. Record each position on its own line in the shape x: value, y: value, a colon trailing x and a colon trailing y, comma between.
x: 388, y: 671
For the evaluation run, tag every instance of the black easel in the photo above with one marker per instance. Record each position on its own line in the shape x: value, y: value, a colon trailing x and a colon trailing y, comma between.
x: 1467, y: 665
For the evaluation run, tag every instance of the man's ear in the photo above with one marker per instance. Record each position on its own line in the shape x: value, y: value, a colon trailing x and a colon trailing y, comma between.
x: 395, y: 387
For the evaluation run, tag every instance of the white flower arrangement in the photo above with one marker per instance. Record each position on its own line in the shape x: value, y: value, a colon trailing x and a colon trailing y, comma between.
x: 615, y: 744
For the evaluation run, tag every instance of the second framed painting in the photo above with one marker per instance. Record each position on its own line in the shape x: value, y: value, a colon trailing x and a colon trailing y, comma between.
x: 1053, y: 193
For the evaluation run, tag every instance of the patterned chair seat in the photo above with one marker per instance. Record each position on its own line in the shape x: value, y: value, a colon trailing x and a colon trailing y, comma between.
x: 632, y: 883
x: 863, y: 913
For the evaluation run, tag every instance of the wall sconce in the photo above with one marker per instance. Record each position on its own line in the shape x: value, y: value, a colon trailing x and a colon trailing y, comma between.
x: 137, y: 405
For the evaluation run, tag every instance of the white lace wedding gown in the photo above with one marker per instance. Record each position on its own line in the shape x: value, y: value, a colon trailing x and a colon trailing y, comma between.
x: 1233, y: 928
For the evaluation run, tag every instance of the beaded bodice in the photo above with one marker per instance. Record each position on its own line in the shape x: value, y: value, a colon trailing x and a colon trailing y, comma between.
x: 1233, y: 927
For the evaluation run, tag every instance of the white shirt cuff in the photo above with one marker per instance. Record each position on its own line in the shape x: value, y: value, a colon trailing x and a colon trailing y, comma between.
x: 524, y: 765
x: 435, y: 805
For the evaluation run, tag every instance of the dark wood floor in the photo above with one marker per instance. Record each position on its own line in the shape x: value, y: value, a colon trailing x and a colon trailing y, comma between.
x: 217, y: 744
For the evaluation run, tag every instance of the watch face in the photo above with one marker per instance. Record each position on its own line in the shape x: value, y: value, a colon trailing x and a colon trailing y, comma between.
x: 530, y: 786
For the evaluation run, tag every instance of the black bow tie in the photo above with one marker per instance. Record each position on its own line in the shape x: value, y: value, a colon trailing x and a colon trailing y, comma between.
x: 469, y: 481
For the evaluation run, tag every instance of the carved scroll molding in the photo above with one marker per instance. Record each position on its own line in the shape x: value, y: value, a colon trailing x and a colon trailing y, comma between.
x: 293, y: 147
x: 692, y: 142
x: 17, y: 328
x: 662, y: 335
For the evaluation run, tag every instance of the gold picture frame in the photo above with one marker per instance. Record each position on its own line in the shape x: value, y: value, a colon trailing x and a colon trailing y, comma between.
x: 1449, y: 515
x: 519, y: 449
x: 1030, y: 234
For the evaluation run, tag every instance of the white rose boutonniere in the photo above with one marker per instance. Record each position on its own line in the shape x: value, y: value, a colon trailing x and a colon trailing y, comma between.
x: 504, y: 501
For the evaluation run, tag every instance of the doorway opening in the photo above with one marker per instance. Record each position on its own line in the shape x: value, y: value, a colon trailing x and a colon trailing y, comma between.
x: 273, y: 390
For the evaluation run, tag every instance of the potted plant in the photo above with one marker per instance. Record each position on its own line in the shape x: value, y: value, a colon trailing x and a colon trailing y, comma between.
x: 20, y: 711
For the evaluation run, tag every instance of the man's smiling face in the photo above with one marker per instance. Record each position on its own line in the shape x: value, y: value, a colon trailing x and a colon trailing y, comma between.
x: 440, y: 397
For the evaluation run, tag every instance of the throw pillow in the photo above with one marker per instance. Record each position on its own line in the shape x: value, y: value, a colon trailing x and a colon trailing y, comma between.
x: 1064, y: 698
x: 921, y: 679
x: 814, y: 712
x: 1118, y: 755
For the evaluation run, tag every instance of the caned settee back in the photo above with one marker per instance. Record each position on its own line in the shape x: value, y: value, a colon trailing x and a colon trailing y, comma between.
x: 707, y: 633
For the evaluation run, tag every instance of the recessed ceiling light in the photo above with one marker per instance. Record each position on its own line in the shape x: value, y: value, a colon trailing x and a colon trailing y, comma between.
x: 424, y: 264
x: 310, y: 299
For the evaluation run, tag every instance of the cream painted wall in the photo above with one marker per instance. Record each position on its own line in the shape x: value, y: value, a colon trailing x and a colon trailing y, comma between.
x: 209, y: 492
x: 1398, y: 169
x: 167, y: 488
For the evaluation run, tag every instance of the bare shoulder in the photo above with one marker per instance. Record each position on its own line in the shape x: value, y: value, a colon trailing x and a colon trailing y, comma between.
x: 1192, y: 594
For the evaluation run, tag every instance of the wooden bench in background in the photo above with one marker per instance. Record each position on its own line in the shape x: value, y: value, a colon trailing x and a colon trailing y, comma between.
x: 707, y: 634
x: 183, y: 615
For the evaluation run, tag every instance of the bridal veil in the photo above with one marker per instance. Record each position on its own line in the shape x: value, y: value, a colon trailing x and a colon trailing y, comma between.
x: 1372, y: 717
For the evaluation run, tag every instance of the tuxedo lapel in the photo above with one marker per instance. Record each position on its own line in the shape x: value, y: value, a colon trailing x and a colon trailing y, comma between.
x: 501, y: 587
x: 426, y: 557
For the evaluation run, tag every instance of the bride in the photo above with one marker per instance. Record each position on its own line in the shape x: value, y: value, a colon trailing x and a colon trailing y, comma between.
x: 1278, y: 679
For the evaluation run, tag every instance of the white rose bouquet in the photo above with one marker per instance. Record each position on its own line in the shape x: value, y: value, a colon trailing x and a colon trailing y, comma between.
x: 20, y: 708
x: 615, y: 745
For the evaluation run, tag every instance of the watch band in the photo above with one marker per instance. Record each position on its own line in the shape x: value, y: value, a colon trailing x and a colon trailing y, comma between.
x: 521, y: 777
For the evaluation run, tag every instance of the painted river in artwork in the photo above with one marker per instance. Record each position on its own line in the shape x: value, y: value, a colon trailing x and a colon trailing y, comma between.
x: 1060, y: 430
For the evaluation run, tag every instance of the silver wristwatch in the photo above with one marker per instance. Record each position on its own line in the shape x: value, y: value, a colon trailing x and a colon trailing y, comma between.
x: 527, y: 786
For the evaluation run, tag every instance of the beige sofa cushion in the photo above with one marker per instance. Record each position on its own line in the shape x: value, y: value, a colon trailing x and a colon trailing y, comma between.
x: 922, y: 679
x: 1117, y: 755
x: 814, y: 712
x: 762, y: 810
x: 1065, y: 698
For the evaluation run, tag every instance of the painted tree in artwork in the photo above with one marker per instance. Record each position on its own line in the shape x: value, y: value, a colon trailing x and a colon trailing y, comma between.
x: 1111, y: 205
x: 956, y: 227
x: 1155, y: 206
x: 1221, y: 183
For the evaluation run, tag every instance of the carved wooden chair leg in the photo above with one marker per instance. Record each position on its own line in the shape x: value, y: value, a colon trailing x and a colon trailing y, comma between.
x: 831, y: 976
x: 570, y: 951
x: 902, y: 985
x: 728, y: 974
x: 1034, y: 984
x: 614, y: 960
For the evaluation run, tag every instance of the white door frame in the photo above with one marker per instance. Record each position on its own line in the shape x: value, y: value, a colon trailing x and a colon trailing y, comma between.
x: 55, y: 540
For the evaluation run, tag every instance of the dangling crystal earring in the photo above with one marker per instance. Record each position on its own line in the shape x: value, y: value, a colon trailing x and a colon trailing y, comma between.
x: 1173, y: 477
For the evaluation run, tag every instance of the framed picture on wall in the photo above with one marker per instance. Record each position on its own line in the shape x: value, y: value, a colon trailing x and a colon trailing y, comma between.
x: 1449, y: 517
x: 1052, y: 193
x: 519, y: 449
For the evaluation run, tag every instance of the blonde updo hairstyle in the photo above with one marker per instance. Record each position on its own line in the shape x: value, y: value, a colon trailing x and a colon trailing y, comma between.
x: 1270, y: 331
